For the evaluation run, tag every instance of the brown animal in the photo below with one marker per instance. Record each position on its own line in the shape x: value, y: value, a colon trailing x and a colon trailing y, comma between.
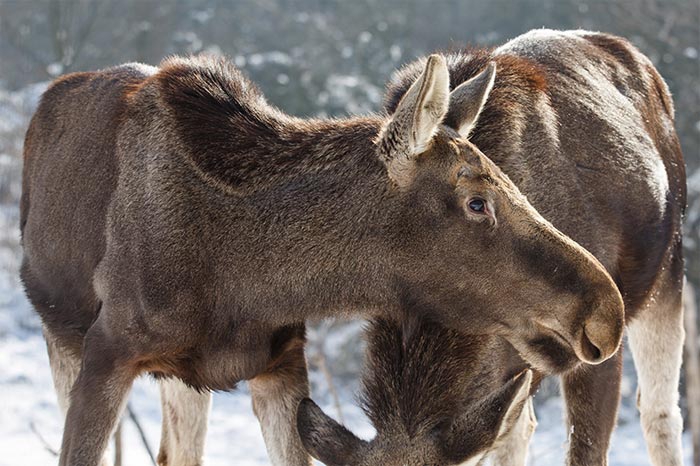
x: 434, y: 397
x: 175, y: 223
x: 583, y: 124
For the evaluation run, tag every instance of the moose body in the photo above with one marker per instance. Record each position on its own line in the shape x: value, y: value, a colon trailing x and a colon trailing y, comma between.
x: 583, y: 124
x: 174, y: 223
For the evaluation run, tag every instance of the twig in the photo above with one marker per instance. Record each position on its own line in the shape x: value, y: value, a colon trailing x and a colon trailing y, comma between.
x: 144, y: 440
x: 321, y: 362
x: 319, y: 359
x: 41, y: 438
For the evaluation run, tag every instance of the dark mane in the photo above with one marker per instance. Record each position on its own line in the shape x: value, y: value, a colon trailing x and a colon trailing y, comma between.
x: 235, y: 137
x: 515, y: 74
x: 520, y: 83
x: 416, y: 376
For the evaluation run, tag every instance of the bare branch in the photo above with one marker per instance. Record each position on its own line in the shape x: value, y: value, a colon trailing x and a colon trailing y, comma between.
x: 55, y: 27
x: 41, y: 438
x: 142, y: 434
x: 320, y: 360
x: 86, y: 29
x: 8, y: 33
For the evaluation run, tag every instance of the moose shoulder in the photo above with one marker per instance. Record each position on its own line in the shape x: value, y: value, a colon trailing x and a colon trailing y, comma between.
x: 583, y: 124
x: 175, y: 223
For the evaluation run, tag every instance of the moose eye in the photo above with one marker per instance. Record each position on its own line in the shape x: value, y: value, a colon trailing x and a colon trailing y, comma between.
x: 477, y: 205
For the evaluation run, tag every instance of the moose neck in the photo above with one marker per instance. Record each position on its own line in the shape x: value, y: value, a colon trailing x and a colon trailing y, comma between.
x: 320, y: 222
x: 332, y: 216
x: 304, y: 208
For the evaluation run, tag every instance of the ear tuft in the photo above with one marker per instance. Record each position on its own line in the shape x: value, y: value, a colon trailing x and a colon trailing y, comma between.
x: 468, y: 99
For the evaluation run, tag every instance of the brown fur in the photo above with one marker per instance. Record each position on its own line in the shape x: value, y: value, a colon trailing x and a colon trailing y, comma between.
x: 416, y: 377
x: 174, y: 222
x: 433, y: 396
x: 591, y: 180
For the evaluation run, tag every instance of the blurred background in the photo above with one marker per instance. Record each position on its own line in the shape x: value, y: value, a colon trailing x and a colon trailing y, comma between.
x: 309, y: 57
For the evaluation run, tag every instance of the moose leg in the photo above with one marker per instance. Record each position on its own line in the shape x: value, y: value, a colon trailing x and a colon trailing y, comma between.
x: 65, y: 367
x: 592, y: 395
x: 64, y: 370
x: 656, y: 337
x: 276, y: 396
x: 512, y: 448
x: 185, y: 415
x: 96, y: 400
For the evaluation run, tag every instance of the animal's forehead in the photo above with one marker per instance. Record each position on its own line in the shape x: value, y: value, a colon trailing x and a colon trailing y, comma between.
x: 471, y: 155
x: 465, y: 151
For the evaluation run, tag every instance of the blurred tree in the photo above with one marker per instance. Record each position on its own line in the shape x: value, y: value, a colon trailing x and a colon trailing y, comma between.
x: 68, y: 26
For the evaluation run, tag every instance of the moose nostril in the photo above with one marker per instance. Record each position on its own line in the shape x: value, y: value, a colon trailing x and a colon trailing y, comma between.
x: 590, y: 351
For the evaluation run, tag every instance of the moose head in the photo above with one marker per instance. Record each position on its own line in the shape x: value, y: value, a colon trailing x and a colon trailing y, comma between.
x: 472, y: 250
x: 433, y: 396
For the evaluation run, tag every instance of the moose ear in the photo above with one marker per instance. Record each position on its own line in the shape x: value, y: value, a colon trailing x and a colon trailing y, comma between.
x: 479, y: 428
x: 467, y: 100
x: 325, y: 439
x: 412, y: 126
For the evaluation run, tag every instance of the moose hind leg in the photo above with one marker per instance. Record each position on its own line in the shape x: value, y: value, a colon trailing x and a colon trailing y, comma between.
x: 65, y: 367
x: 592, y: 395
x: 512, y: 448
x: 96, y: 401
x: 185, y: 416
x: 656, y: 338
x: 276, y: 396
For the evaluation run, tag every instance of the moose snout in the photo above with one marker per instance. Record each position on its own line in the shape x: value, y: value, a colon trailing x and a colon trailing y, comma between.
x: 601, y: 333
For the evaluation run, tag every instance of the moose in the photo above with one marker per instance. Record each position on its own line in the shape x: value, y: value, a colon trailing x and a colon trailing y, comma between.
x: 433, y: 396
x: 583, y: 124
x: 175, y: 223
